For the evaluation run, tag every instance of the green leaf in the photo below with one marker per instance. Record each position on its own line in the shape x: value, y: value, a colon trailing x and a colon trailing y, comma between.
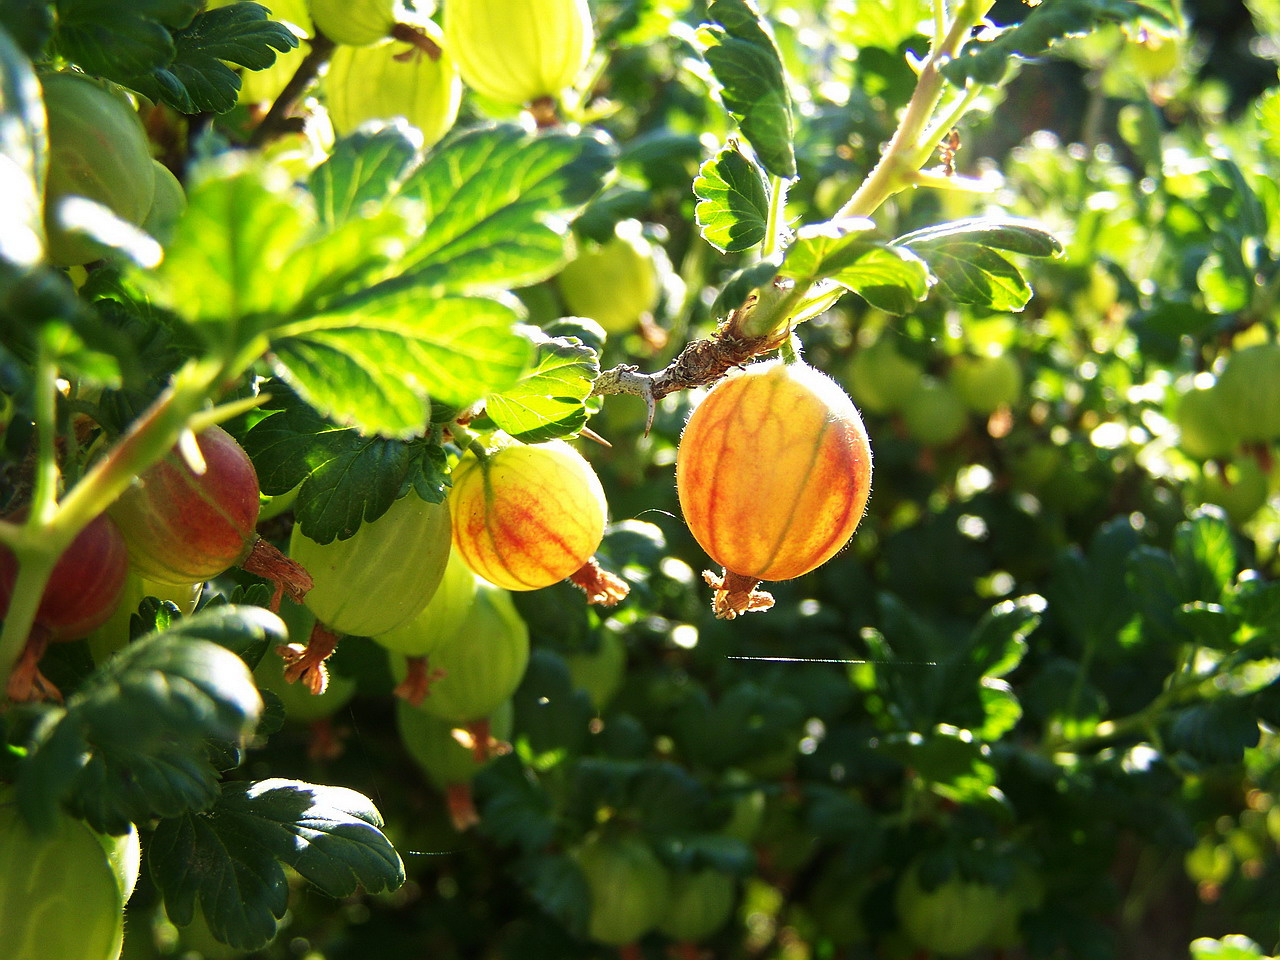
x: 889, y: 277
x: 23, y: 145
x: 1015, y: 236
x: 970, y: 273
x: 549, y: 712
x: 1234, y: 947
x: 29, y: 24
x: 1089, y: 591
x: 999, y: 641
x: 229, y: 858
x: 364, y: 168
x: 498, y: 203
x: 344, y: 259
x: 120, y: 41
x: 197, y: 77
x: 549, y: 401
x: 962, y: 254
x: 223, y: 266
x: 1158, y: 593
x: 1001, y: 708
x: 1210, y: 624
x: 1267, y: 108
x: 515, y: 811
x: 557, y: 885
x: 375, y: 366
x: 1205, y: 556
x: 743, y: 283
x: 733, y: 200
x: 346, y: 478
x: 129, y: 745
x: 1216, y: 732
x: 989, y: 60
x: 879, y: 23
x: 753, y: 83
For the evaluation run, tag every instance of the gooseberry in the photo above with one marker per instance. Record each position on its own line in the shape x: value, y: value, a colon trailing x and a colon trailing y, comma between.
x: 98, y: 150
x: 526, y: 515
x: 773, y: 473
x: 519, y: 51
x: 46, y: 878
x: 628, y: 888
x: 82, y: 591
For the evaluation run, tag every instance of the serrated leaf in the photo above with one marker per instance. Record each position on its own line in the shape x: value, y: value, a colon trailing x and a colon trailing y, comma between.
x: 376, y: 366
x: 971, y: 273
x: 138, y: 724
x: 515, y: 811
x: 29, y: 24
x: 889, y: 277
x: 733, y: 200
x: 223, y: 265
x: 120, y: 42
x: 1210, y: 624
x: 197, y: 77
x: 1257, y: 603
x: 363, y: 168
x: 1233, y: 947
x: 1089, y: 592
x: 988, y: 60
x: 753, y: 83
x: 1015, y: 236
x: 498, y: 203
x: 347, y: 478
x: 1000, y: 707
x: 1157, y: 592
x: 229, y: 859
x: 1267, y: 108
x: 549, y: 401
x: 339, y: 262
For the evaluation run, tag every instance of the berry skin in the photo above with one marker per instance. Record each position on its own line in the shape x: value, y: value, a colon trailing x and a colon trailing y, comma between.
x: 183, y: 527
x: 773, y: 473
x: 526, y: 516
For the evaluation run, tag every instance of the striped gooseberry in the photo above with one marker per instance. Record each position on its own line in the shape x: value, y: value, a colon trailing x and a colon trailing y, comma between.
x: 773, y: 473
x: 187, y: 519
x: 60, y: 895
x: 82, y: 592
x: 528, y: 515
x: 371, y: 582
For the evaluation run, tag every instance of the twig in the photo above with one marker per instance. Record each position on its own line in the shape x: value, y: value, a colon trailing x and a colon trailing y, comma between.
x: 700, y: 363
x: 276, y: 120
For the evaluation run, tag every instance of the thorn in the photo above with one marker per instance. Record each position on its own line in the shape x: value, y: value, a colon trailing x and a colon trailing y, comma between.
x: 592, y: 435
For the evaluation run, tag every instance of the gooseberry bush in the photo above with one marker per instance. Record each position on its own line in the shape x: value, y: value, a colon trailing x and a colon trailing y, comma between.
x: 639, y: 478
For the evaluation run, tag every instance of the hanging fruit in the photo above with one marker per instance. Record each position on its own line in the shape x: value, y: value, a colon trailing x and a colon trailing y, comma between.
x: 773, y: 473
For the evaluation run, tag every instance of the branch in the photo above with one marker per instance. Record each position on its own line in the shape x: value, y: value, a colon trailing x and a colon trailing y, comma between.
x: 275, y: 121
x: 699, y: 364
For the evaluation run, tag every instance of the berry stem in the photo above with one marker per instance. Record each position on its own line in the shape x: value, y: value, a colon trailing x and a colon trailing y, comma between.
x: 274, y: 122
x: 266, y: 560
x: 911, y: 146
x: 462, y: 806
